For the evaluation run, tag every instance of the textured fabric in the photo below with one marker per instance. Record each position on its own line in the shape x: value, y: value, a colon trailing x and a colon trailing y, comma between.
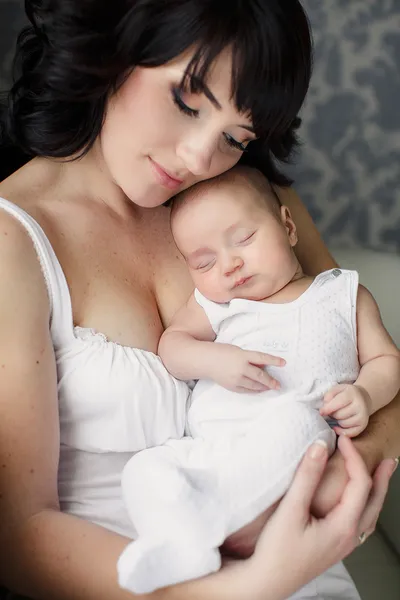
x: 315, y: 334
x: 113, y: 401
x: 186, y: 497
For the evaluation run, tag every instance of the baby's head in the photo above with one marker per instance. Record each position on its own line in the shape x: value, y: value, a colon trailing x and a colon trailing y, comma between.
x: 235, y: 236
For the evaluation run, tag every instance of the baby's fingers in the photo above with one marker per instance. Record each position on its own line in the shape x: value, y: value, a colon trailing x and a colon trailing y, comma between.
x: 261, y: 359
x: 331, y: 405
x: 249, y: 385
x: 347, y: 413
x: 261, y: 376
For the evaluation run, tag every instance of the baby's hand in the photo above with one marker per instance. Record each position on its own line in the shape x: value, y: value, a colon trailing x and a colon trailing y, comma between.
x: 243, y: 370
x: 349, y: 405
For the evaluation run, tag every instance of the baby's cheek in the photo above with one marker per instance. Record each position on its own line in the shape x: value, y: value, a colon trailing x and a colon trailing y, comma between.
x: 212, y: 287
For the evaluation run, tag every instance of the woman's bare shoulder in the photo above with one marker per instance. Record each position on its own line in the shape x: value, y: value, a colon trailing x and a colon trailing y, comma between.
x: 20, y: 270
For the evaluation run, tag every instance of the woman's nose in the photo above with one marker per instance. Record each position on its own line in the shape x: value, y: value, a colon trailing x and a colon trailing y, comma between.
x: 197, y: 153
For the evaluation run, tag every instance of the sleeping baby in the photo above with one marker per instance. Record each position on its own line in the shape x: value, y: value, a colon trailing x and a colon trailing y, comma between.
x: 275, y: 352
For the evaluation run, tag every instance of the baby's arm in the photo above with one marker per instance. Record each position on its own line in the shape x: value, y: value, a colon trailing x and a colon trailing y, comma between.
x: 186, y: 346
x: 378, y: 355
x: 188, y: 351
x: 379, y: 378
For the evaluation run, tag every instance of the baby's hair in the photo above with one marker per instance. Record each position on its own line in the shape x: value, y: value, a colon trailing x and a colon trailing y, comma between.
x: 239, y: 174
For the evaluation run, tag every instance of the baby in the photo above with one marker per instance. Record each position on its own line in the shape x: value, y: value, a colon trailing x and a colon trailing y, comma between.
x: 276, y: 352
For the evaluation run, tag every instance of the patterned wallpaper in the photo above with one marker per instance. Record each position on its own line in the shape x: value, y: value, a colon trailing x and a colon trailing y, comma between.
x: 348, y: 169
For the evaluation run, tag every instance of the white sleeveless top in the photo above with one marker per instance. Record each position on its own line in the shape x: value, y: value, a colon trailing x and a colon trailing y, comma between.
x: 113, y: 401
x: 315, y: 334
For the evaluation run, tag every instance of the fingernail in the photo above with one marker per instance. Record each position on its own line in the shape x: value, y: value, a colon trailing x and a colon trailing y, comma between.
x: 318, y: 449
x: 396, y: 463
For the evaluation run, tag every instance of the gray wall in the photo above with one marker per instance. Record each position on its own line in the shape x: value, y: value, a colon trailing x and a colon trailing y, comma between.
x: 348, y: 170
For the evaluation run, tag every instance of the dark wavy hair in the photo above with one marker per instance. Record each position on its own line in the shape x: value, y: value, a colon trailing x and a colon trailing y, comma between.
x: 76, y: 53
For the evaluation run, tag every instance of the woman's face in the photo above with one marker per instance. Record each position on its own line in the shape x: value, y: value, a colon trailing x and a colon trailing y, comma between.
x: 157, y: 140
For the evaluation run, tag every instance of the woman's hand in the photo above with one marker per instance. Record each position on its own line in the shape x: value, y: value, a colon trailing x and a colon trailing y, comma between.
x: 335, y: 477
x: 294, y: 538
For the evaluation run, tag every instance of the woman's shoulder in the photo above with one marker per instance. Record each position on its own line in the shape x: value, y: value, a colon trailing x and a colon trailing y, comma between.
x: 21, y: 275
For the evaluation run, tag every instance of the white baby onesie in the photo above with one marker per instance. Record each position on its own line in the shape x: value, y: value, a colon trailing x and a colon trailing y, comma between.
x: 186, y: 497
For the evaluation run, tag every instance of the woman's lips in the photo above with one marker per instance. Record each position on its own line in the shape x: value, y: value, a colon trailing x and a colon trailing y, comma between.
x: 165, y: 178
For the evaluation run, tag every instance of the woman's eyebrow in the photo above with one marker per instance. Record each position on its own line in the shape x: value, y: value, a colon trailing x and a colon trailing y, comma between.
x: 202, y: 87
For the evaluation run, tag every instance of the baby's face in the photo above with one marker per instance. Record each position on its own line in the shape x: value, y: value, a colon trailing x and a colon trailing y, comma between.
x: 234, y: 245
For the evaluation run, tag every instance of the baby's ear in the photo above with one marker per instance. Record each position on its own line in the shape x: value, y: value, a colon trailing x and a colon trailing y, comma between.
x: 289, y: 225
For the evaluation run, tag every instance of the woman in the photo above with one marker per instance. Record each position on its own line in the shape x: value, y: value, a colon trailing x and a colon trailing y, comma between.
x: 121, y: 105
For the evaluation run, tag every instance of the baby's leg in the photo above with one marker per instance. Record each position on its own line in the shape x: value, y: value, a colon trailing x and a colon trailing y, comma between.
x: 170, y: 496
x: 259, y: 466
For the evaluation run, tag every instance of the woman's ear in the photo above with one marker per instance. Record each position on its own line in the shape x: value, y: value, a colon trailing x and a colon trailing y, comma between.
x: 289, y: 225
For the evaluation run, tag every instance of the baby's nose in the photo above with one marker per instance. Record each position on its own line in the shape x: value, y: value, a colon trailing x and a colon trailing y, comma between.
x: 233, y: 265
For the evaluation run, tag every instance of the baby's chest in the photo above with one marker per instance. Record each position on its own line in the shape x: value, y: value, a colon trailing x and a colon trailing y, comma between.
x: 318, y: 343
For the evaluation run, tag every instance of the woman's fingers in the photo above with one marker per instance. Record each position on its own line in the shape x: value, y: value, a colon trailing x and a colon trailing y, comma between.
x: 347, y: 431
x: 354, y: 499
x: 306, y: 480
x: 374, y: 506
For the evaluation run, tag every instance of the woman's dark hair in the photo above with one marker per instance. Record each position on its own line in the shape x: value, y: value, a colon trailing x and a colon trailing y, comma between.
x: 75, y: 54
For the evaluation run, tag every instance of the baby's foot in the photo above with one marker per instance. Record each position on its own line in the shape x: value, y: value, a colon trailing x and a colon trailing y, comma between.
x: 145, y: 566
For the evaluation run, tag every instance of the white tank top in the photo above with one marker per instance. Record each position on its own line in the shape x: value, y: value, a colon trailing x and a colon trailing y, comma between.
x: 315, y: 334
x: 113, y: 401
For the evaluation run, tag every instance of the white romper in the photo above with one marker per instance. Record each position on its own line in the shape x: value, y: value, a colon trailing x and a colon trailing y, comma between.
x: 114, y: 401
x: 244, y: 448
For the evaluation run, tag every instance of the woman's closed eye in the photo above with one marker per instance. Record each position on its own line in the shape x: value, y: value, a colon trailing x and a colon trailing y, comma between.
x: 194, y: 113
x: 182, y: 106
x: 241, y: 146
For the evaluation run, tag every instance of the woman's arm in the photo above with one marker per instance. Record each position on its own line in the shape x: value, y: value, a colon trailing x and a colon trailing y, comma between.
x: 381, y: 439
x: 44, y: 553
